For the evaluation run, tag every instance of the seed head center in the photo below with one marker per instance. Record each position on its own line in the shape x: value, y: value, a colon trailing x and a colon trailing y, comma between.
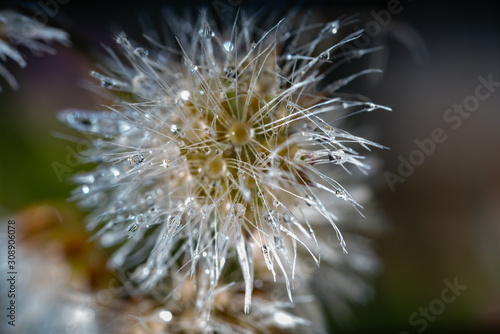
x: 217, y: 168
x: 240, y: 133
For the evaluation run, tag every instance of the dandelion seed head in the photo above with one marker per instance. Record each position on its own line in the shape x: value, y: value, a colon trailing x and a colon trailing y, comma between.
x: 218, y: 152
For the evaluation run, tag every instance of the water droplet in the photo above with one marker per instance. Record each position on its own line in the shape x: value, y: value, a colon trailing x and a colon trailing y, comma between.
x: 264, y: 249
x: 148, y: 200
x: 106, y: 84
x: 319, y: 138
x: 331, y: 156
x: 189, y: 64
x: 369, y: 106
x: 268, y: 217
x: 324, y: 56
x: 310, y: 200
x: 206, y: 33
x: 122, y: 39
x: 89, y: 179
x: 174, y: 128
x: 142, y: 272
x: 185, y: 94
x: 140, y: 219
x: 240, y: 209
x: 85, y: 189
x: 289, y: 57
x: 115, y: 172
x: 179, y: 102
x: 341, y: 194
x: 228, y: 46
x: 191, y: 212
x: 289, y: 106
x: 229, y: 71
x: 132, y: 229
x: 141, y: 52
x: 334, y: 28
x: 205, y: 210
x: 136, y: 159
x: 276, y: 203
x: 278, y: 242
x: 165, y: 315
x: 254, y: 45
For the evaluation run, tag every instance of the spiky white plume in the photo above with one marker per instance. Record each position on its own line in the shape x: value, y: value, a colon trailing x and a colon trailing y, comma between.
x: 19, y: 30
x: 213, y: 148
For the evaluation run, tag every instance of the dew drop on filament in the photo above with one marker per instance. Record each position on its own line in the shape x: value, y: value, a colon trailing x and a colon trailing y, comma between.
x: 309, y: 200
x: 136, y: 159
x: 369, y: 106
x: 341, y: 194
x: 334, y: 27
x: 228, y: 46
x: 132, y: 229
x: 121, y: 39
x: 141, y: 52
x: 206, y: 33
x: 165, y: 315
x: 205, y: 210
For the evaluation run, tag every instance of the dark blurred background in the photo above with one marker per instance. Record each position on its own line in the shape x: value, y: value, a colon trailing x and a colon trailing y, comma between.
x: 443, y: 221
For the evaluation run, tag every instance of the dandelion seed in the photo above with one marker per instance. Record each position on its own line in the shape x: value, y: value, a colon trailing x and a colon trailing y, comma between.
x: 19, y: 30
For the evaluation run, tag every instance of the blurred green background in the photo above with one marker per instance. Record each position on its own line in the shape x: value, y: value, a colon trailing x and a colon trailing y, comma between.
x: 443, y: 220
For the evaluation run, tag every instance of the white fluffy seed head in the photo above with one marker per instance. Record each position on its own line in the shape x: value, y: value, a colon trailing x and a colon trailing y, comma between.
x: 212, y: 151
